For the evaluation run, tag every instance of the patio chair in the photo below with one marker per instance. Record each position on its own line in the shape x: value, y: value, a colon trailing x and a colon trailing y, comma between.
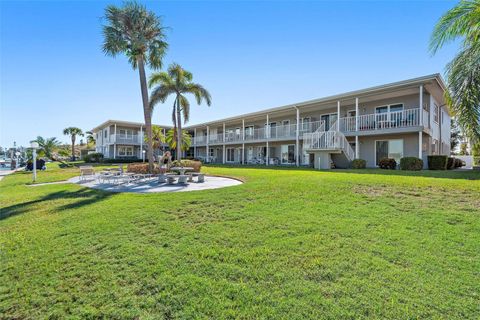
x: 86, y: 172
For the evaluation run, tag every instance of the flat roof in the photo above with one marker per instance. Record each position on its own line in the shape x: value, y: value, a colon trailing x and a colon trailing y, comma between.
x: 351, y: 94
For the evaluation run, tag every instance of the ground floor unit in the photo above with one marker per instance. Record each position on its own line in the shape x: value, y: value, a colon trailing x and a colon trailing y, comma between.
x: 289, y: 153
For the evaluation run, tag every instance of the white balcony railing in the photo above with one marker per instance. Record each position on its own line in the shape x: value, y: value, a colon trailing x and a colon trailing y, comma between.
x: 125, y: 139
x: 381, y: 121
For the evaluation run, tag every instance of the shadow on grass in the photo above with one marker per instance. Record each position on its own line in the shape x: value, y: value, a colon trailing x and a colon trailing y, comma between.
x: 454, y: 174
x: 84, y: 197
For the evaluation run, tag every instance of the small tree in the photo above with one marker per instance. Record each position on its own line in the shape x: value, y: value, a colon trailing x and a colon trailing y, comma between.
x: 158, y: 138
x: 455, y: 135
x: 73, y: 132
x: 47, y: 147
x: 172, y: 140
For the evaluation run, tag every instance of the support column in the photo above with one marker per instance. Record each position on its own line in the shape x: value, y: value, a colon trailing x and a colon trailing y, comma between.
x: 357, y: 148
x: 357, y: 144
x: 420, y: 142
x: 243, y: 139
x: 356, y: 114
x: 208, y: 151
x: 223, y: 160
x: 195, y: 142
x: 141, y: 140
x: 267, y: 136
x: 115, y: 142
x: 420, y: 101
x: 297, y: 139
x: 338, y: 115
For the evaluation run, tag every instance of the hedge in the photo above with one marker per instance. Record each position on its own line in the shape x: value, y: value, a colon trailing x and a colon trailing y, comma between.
x: 388, y: 163
x: 358, y: 164
x: 411, y: 163
x: 123, y: 160
x: 451, y: 163
x: 196, y: 165
x: 93, y: 157
x: 437, y: 162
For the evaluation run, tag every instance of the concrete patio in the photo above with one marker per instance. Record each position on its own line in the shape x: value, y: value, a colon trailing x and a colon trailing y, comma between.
x: 152, y: 186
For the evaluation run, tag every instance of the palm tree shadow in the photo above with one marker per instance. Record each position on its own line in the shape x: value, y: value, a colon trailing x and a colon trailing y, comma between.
x: 83, y: 197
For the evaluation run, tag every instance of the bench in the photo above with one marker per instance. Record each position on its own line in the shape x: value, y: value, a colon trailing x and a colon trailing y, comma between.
x: 86, y: 172
x: 200, y: 176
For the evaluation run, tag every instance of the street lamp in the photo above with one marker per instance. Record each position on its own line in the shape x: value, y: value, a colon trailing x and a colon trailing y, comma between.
x: 34, y: 146
x: 143, y: 155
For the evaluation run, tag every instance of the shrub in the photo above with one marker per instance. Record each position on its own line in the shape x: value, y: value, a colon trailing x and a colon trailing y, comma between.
x: 476, y: 161
x: 388, y: 163
x: 459, y: 163
x: 451, y: 163
x: 437, y: 162
x: 411, y: 163
x: 359, y: 164
x: 93, y: 157
x: 196, y: 165
x: 141, y: 168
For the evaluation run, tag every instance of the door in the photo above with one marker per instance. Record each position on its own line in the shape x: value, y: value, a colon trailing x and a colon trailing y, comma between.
x: 381, y: 150
x: 288, y: 153
x: 329, y: 120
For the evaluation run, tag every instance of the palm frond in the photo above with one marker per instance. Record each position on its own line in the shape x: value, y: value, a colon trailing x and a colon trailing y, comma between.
x: 463, y: 96
x: 185, y: 108
x: 460, y: 21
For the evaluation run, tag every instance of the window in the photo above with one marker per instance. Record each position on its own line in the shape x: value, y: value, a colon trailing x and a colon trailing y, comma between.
x: 125, y: 133
x: 288, y: 153
x: 435, y: 113
x: 435, y: 147
x: 388, y: 149
x: 306, y: 123
x: 125, y: 151
x: 389, y: 108
x: 105, y: 133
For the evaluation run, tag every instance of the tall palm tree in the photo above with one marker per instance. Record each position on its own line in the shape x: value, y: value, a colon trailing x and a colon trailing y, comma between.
x: 171, y: 139
x: 157, y: 136
x: 137, y: 33
x: 73, y: 132
x: 463, y: 72
x: 178, y: 82
x: 47, y: 147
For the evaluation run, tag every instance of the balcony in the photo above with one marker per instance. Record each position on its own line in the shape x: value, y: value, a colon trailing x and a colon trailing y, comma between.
x: 125, y: 139
x: 376, y: 122
x: 383, y: 121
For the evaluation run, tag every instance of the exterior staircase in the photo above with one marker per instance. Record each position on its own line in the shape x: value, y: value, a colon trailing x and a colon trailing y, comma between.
x: 332, y: 141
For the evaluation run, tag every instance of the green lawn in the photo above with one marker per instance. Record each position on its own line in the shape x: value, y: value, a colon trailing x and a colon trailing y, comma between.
x: 287, y: 244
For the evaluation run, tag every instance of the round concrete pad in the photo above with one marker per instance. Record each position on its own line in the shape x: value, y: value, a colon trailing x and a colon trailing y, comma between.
x: 152, y: 185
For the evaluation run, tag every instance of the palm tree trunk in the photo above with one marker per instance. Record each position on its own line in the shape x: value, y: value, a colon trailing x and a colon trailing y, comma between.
x: 73, y: 147
x: 179, y: 131
x: 147, y: 113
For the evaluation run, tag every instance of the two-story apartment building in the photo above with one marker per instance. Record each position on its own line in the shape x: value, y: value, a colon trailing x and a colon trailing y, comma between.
x: 406, y: 118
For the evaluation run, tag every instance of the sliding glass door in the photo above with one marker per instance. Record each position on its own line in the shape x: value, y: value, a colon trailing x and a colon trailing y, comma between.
x: 388, y: 149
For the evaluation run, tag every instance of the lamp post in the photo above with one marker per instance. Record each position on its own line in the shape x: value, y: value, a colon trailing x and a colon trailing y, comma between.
x: 143, y: 155
x: 17, y: 164
x: 34, y: 146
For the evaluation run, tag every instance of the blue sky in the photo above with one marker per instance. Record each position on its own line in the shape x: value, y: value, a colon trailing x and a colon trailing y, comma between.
x: 251, y: 55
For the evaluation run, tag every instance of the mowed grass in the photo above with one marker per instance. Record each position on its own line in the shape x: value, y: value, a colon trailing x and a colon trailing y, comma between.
x: 287, y: 244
